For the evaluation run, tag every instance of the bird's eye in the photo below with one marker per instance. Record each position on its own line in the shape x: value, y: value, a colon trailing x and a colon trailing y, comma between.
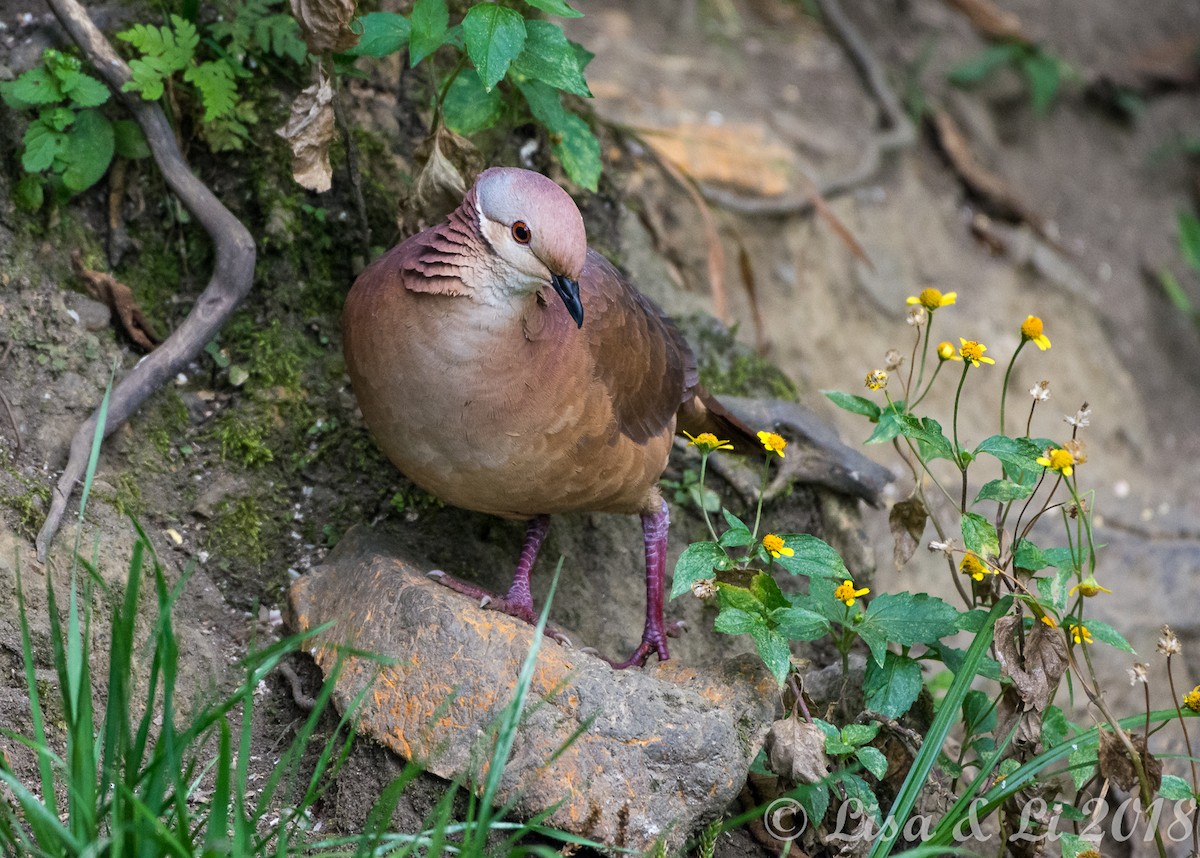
x: 521, y: 232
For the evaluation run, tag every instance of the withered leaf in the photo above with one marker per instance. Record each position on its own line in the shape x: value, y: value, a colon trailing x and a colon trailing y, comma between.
x: 120, y: 300
x: 325, y: 24
x: 1116, y: 765
x: 1035, y: 675
x: 906, y: 521
x: 308, y: 132
x: 796, y: 751
x: 448, y: 165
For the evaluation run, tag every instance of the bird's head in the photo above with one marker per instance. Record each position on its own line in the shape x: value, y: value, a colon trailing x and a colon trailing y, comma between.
x: 535, y: 229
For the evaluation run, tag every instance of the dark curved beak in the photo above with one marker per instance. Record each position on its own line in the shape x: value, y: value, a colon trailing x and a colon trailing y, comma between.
x: 568, y: 290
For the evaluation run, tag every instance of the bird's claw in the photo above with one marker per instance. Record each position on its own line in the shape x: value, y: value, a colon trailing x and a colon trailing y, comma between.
x: 484, y: 601
x: 436, y: 574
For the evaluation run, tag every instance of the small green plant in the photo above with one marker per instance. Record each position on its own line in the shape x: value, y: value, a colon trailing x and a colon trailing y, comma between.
x: 1025, y: 601
x: 69, y: 143
x: 1043, y: 72
x: 1189, y: 249
x: 520, y: 66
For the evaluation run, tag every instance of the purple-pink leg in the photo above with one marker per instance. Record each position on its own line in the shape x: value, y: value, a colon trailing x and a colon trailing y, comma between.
x: 654, y: 634
x: 518, y: 602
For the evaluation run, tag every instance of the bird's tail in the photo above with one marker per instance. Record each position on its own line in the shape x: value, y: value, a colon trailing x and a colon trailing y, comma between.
x: 705, y: 413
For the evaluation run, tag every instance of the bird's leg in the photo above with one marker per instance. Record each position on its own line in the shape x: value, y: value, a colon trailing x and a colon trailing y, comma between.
x: 654, y: 634
x: 518, y: 602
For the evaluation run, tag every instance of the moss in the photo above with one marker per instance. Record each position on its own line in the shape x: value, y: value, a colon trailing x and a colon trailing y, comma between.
x: 242, y: 439
x: 127, y: 496
x: 30, y: 505
x: 240, y: 530
x: 727, y: 366
x: 413, y: 499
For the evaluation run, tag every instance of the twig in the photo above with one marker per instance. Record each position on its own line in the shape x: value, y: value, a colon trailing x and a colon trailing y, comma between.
x: 899, y: 133
x: 300, y: 697
x: 360, y: 204
x: 233, y: 262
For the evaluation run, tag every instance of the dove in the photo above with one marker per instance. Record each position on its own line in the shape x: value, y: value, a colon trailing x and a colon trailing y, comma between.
x: 505, y: 367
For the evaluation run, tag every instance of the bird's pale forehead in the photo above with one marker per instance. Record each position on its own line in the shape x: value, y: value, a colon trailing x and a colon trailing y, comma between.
x: 506, y: 195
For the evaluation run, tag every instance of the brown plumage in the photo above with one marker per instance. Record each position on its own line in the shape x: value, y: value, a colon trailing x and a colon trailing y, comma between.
x: 494, y: 393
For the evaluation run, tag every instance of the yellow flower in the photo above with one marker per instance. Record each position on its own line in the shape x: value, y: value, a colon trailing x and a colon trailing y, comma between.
x: 707, y: 442
x: 1031, y: 329
x: 774, y: 443
x: 846, y: 593
x: 973, y: 351
x: 1049, y: 620
x: 1089, y: 587
x: 973, y: 566
x: 1080, y: 634
x: 877, y: 379
x: 945, y: 351
x: 931, y: 298
x: 1057, y: 459
x: 1192, y: 699
x: 775, y: 547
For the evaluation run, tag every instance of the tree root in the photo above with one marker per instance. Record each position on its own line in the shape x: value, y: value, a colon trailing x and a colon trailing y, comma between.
x: 899, y: 133
x: 233, y: 268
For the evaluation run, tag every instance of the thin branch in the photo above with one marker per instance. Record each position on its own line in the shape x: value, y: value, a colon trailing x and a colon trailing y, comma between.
x: 233, y: 266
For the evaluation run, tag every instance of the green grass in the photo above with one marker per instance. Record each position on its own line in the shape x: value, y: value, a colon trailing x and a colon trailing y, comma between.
x: 134, y: 779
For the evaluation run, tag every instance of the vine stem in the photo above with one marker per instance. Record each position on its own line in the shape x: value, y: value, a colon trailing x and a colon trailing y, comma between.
x: 1187, y: 740
x: 1007, y: 374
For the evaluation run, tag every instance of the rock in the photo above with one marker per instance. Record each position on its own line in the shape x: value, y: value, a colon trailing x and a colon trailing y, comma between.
x: 659, y: 752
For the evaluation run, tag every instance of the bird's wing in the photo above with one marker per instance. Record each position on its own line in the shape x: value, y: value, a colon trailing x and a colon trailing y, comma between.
x: 638, y: 354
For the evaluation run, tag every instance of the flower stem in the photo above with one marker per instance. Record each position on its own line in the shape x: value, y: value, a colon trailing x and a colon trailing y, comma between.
x: 762, y: 490
x: 1007, y: 373
x: 703, y: 501
x: 1187, y: 740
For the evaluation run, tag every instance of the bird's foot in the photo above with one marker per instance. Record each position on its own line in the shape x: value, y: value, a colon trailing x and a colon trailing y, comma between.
x: 522, y: 609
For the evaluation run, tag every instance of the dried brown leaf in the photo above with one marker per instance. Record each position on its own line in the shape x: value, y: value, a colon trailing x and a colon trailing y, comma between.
x: 1117, y: 766
x: 1035, y: 670
x: 446, y: 166
x: 906, y: 521
x: 325, y: 24
x: 990, y: 20
x: 119, y: 298
x: 796, y: 751
x: 308, y: 132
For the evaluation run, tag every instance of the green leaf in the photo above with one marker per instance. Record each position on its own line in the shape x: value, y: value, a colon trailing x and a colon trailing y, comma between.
x: 1029, y: 557
x: 1189, y: 237
x: 698, y: 561
x: 979, y: 715
x: 89, y: 150
x: 1082, y: 762
x: 1175, y: 788
x: 165, y: 50
x: 578, y: 150
x: 383, y: 33
x: 814, y: 798
x: 129, y: 140
x: 30, y: 192
x: 736, y: 537
x: 1060, y: 558
x: 1019, y: 454
x: 544, y: 103
x: 854, y: 404
x: 733, y: 521
x: 430, y: 19
x: 1003, y: 491
x: 860, y: 734
x: 799, y: 624
x: 893, y: 687
x: 1054, y: 727
x: 58, y: 118
x: 873, y: 761
x: 858, y: 792
x: 735, y: 621
x: 43, y: 144
x: 1106, y: 633
x: 217, y: 87
x: 889, y: 426
x: 469, y: 108
x: 1055, y: 590
x: 495, y: 36
x: 36, y: 86
x: 767, y: 592
x: 928, y: 434
x: 86, y: 91
x: 1044, y: 78
x: 774, y: 650
x: 555, y: 7
x: 980, y: 536
x: 733, y: 596
x: 811, y: 556
x: 549, y: 57
x: 905, y: 618
x: 976, y: 69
